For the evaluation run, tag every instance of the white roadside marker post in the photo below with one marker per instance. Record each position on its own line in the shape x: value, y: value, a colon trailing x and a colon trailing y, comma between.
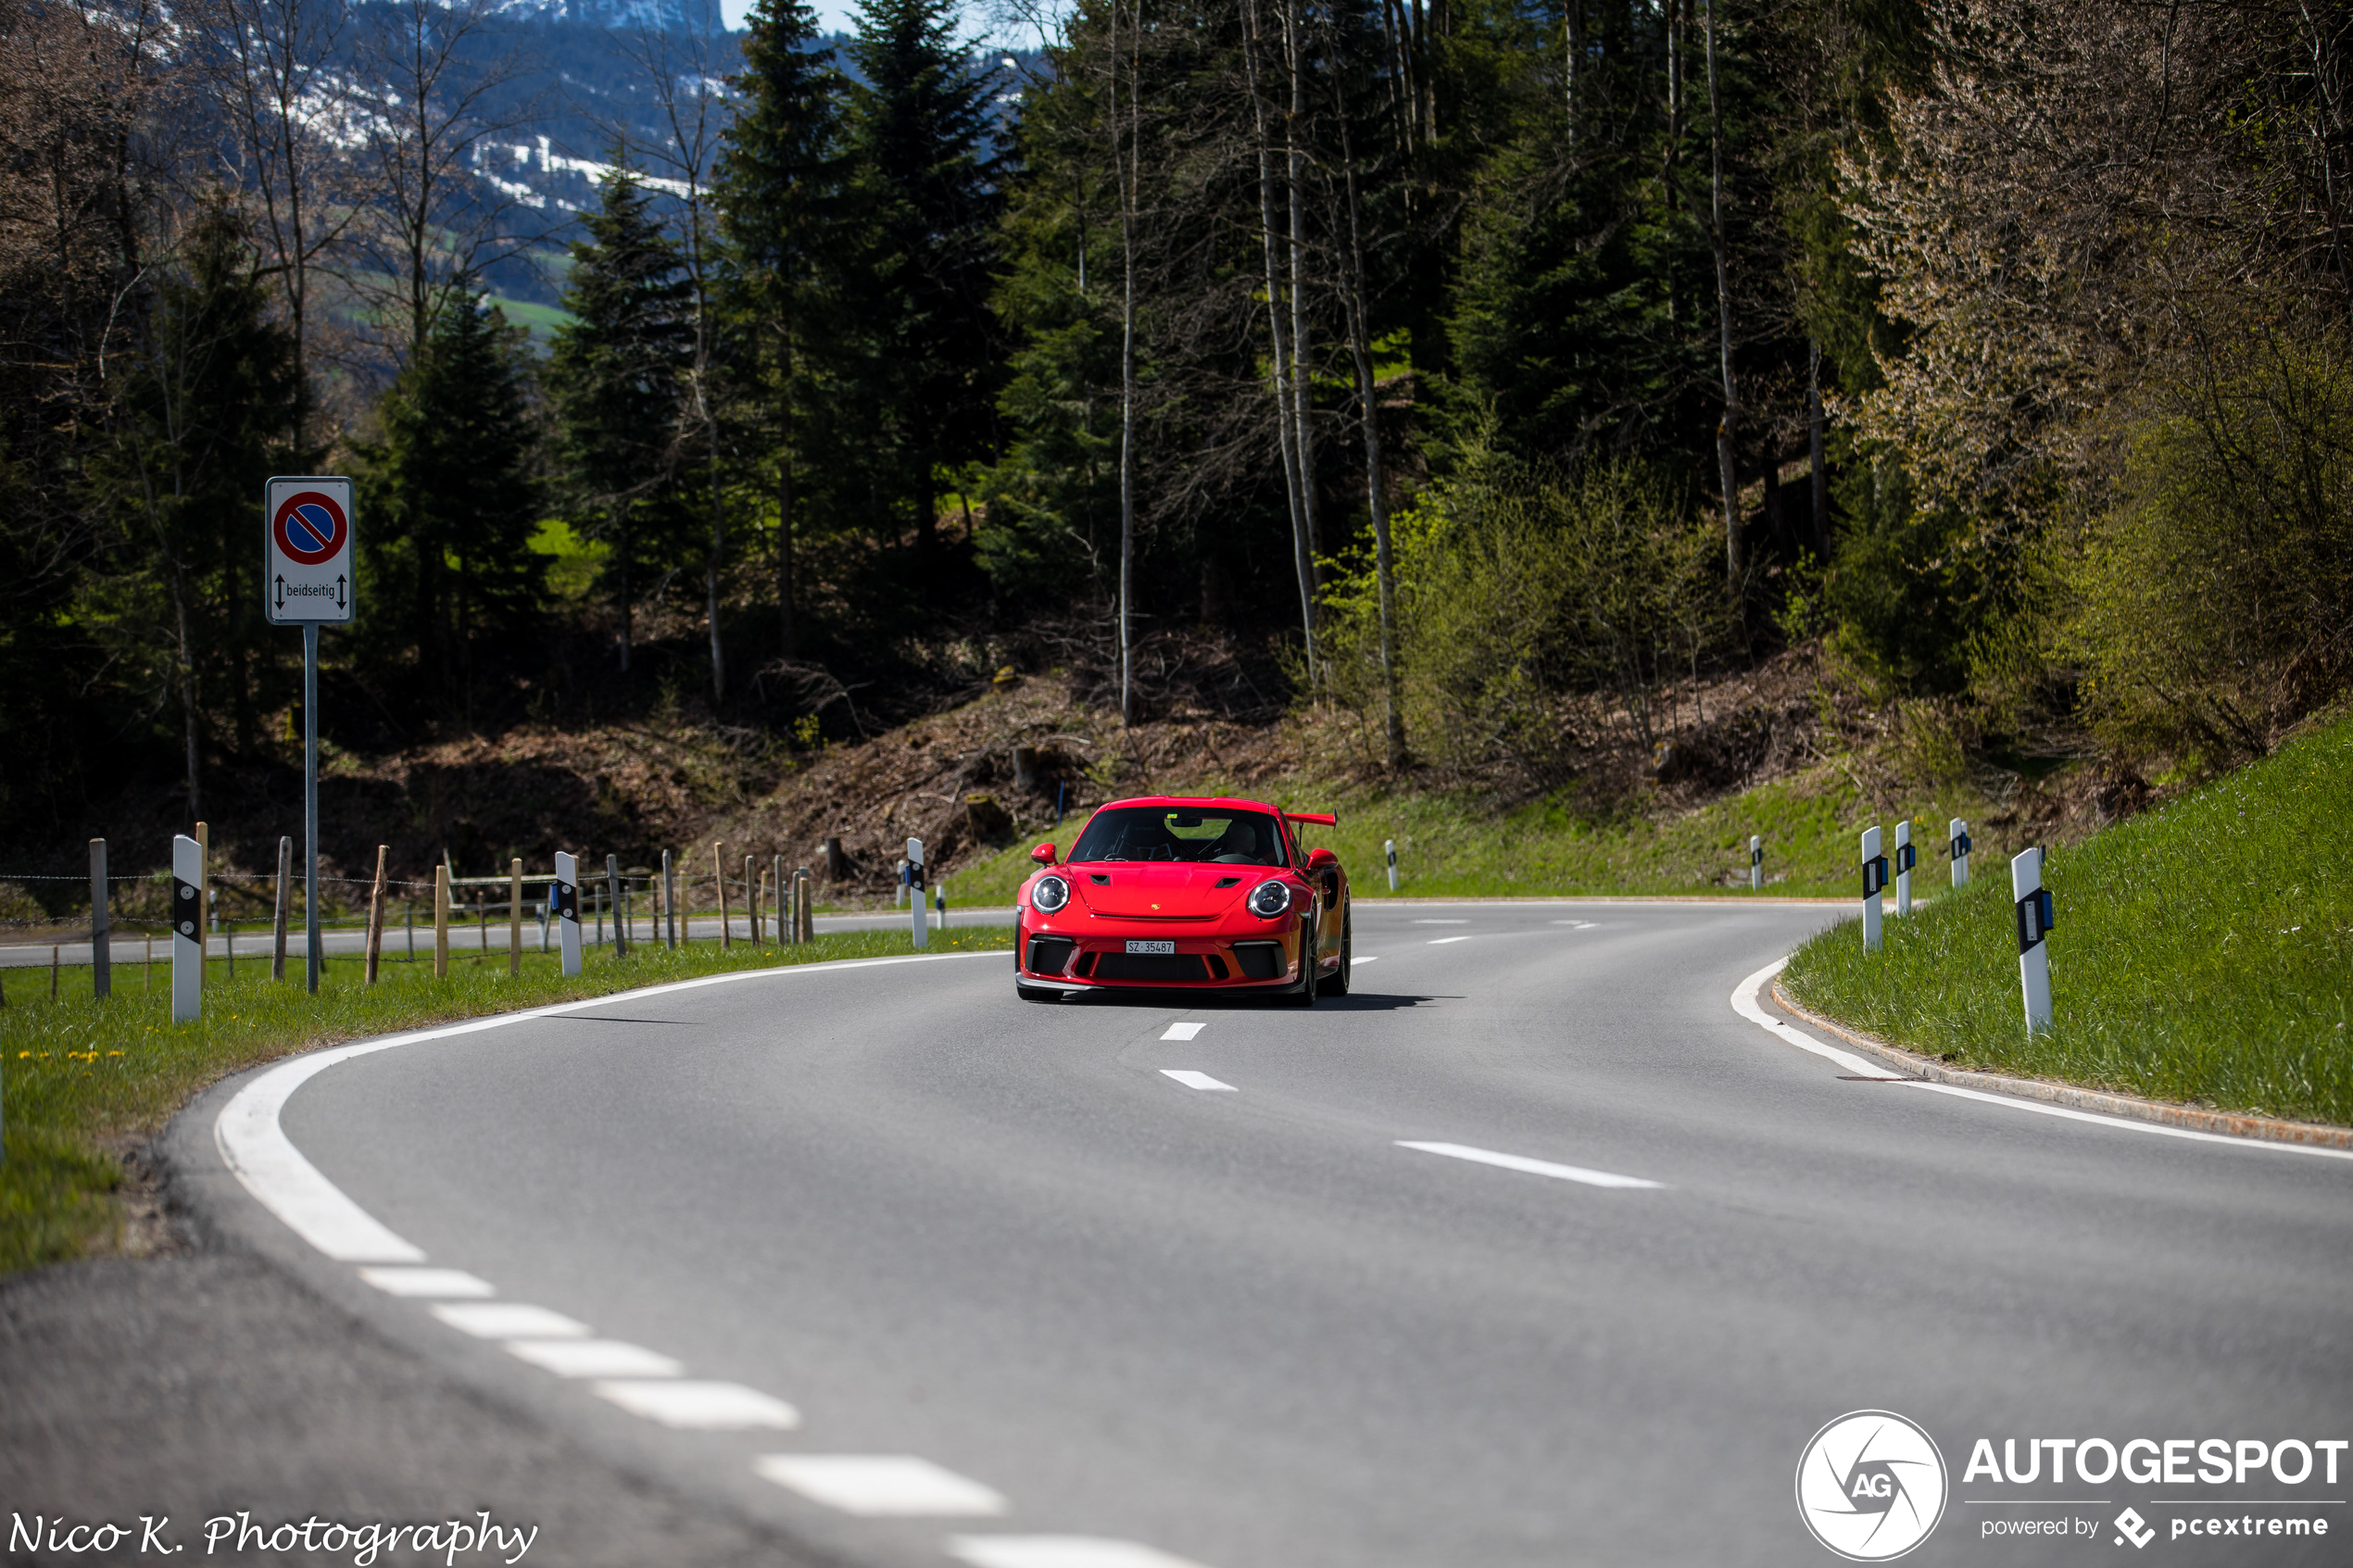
x: 567, y: 911
x: 1959, y: 847
x: 187, y: 930
x: 1755, y: 863
x: 916, y: 888
x: 1874, y: 885
x: 1389, y: 846
x: 2034, y: 924
x: 1906, y: 859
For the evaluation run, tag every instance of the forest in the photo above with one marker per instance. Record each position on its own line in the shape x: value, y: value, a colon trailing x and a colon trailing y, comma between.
x: 1433, y: 361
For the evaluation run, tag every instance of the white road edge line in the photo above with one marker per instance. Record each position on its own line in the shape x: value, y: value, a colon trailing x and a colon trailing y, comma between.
x: 1058, y: 1551
x: 1532, y: 1167
x: 1193, y: 1080
x: 880, y: 1486
x: 255, y: 1147
x: 1183, y: 1030
x: 1745, y: 1003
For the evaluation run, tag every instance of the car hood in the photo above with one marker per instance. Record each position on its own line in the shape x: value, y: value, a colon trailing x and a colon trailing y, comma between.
x: 1151, y: 890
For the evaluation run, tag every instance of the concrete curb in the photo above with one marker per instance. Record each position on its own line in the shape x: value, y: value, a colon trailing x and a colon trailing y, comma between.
x: 2269, y: 1129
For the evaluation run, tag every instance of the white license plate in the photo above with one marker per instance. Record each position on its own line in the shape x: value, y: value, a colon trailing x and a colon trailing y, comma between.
x: 1169, y: 948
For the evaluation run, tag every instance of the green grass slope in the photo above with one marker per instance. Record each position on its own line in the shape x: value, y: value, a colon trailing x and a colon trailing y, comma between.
x: 2203, y: 952
x: 1454, y: 847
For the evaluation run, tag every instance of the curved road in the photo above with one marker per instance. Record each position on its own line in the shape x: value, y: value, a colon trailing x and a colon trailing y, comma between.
x: 890, y: 1211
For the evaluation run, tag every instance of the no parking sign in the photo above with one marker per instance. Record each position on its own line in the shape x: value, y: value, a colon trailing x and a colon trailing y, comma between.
x: 306, y: 575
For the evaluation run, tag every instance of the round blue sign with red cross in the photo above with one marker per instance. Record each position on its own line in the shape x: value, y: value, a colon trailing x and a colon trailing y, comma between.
x: 309, y: 527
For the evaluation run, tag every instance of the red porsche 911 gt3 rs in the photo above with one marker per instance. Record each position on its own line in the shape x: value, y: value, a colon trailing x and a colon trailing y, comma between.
x: 1182, y: 892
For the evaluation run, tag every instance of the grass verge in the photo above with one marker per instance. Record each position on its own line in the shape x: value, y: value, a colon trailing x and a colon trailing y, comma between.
x: 77, y: 1075
x: 1456, y: 848
x: 2204, y: 952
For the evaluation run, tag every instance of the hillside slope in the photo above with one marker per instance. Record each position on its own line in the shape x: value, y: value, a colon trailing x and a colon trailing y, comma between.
x: 2202, y: 952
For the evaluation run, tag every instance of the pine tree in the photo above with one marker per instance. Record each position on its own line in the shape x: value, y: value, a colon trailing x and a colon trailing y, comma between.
x: 617, y: 380
x: 776, y: 192
x: 916, y: 357
x: 458, y: 451
x: 195, y: 429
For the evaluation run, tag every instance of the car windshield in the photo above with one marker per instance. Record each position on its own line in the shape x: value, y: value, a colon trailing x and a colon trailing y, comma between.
x: 1156, y: 833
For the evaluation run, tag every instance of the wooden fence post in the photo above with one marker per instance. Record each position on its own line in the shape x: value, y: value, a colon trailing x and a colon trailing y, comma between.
x: 375, y: 921
x: 514, y: 921
x: 613, y: 895
x: 285, y: 896
x: 719, y: 877
x: 101, y: 938
x: 441, y: 920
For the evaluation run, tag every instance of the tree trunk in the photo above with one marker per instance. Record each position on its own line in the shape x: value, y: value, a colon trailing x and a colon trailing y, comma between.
x: 1283, y: 427
x: 1361, y: 349
x: 1725, y: 432
x: 1302, y: 398
x: 1821, y: 496
x: 784, y: 494
x: 187, y: 690
x: 718, y: 545
x: 1129, y: 178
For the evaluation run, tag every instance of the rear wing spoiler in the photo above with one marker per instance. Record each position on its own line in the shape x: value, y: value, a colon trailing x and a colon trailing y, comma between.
x: 1322, y: 819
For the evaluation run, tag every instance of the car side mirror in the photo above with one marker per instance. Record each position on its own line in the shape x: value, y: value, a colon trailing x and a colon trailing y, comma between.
x: 1321, y: 860
x: 1043, y: 854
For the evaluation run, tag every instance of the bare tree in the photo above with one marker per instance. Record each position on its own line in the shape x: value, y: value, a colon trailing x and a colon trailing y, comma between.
x: 1129, y: 169
x: 684, y: 79
x: 434, y: 224
x: 1295, y: 483
x: 289, y: 116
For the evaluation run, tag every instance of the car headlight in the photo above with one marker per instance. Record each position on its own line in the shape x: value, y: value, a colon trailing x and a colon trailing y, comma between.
x: 1269, y: 898
x: 1051, y: 894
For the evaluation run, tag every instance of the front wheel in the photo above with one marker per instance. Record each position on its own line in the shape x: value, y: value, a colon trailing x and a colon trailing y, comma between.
x: 1338, y: 984
x: 1311, y: 956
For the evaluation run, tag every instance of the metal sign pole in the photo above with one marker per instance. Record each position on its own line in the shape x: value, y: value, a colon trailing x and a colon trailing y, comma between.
x: 310, y: 806
x: 308, y: 570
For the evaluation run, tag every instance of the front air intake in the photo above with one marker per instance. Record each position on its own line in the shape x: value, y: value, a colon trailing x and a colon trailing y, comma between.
x: 1049, y: 954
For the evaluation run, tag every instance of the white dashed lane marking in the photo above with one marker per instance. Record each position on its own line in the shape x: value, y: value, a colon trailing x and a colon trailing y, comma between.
x: 702, y: 1407
x: 426, y: 1281
x: 1576, y: 924
x: 1441, y: 941
x: 881, y: 1485
x: 1441, y: 922
x: 1532, y: 1167
x: 1363, y: 958
x: 594, y: 1358
x: 1193, y: 1080
x: 1183, y: 1030
x: 1059, y: 1552
x: 509, y: 1320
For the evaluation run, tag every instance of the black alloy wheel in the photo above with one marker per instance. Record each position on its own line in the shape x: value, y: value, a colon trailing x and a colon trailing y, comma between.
x: 1338, y: 984
x: 1311, y: 957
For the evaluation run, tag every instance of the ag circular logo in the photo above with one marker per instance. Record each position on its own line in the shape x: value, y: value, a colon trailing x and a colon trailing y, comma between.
x: 1871, y: 1485
x: 309, y: 527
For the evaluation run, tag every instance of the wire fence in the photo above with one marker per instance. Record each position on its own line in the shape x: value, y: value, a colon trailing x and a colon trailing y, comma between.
x: 638, y: 904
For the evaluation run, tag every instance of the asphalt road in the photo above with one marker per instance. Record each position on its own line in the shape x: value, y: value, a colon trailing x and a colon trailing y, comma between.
x: 1251, y: 1329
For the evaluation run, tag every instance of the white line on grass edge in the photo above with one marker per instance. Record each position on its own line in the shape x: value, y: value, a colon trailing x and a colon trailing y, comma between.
x: 254, y: 1146
x: 1744, y: 1002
